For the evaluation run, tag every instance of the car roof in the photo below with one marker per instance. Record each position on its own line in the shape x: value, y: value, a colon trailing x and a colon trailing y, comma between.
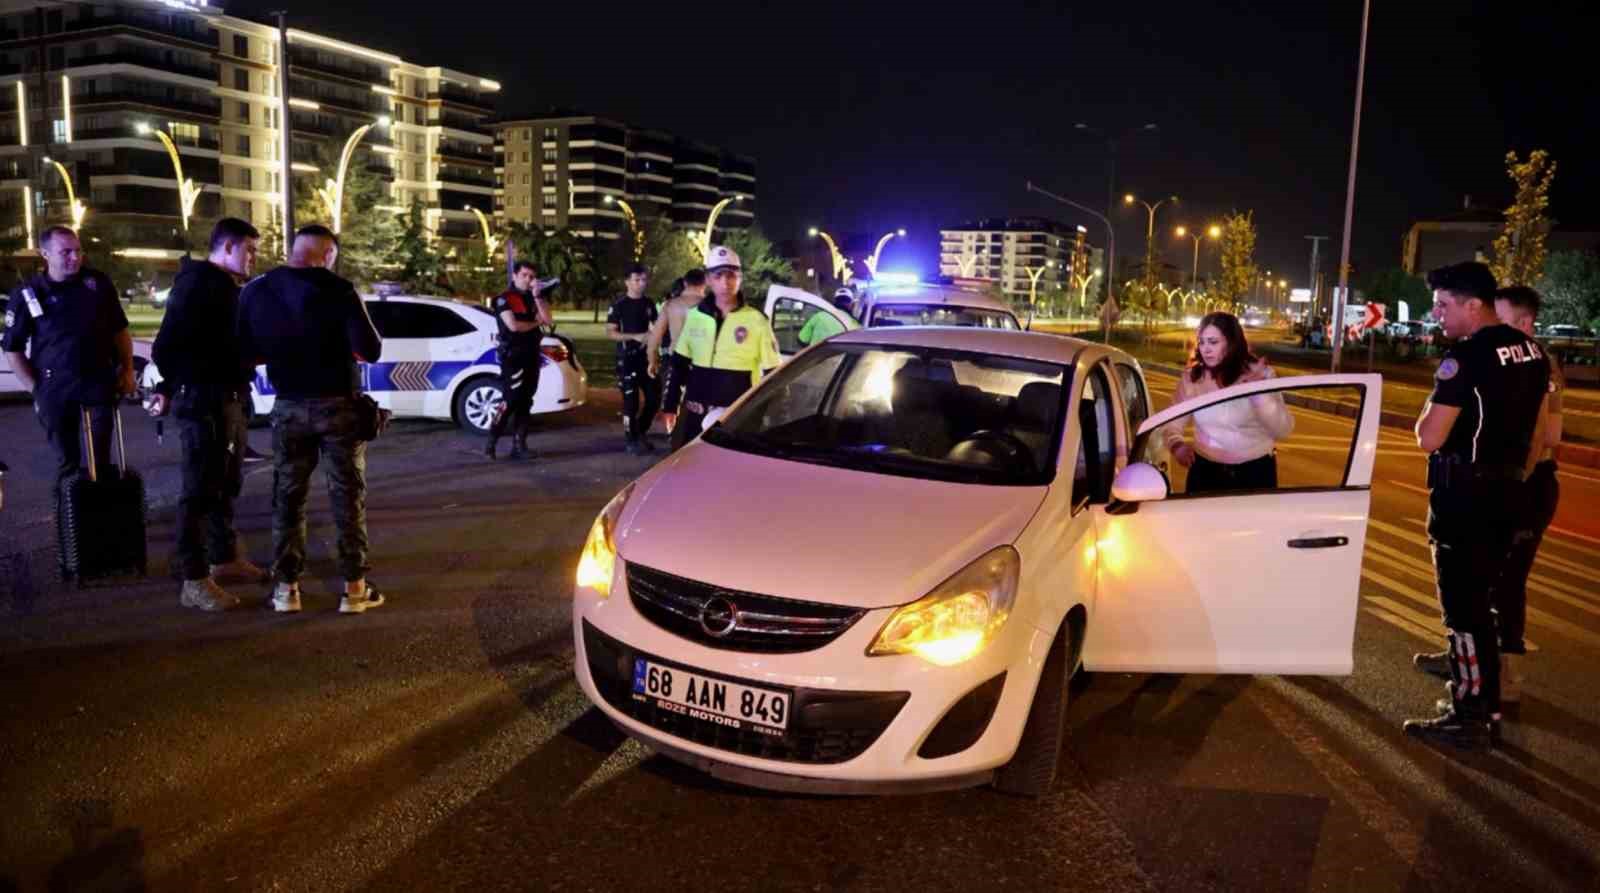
x: 417, y: 299
x: 927, y: 293
x: 1000, y: 342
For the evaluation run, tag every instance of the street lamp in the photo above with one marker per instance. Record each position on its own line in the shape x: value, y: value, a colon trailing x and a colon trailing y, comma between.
x: 1212, y: 231
x: 633, y: 224
x: 78, y: 208
x: 841, y: 264
x: 1083, y: 288
x: 872, y: 262
x: 1111, y: 245
x: 711, y: 222
x: 187, y: 191
x: 490, y: 242
x: 332, y: 191
x: 1033, y: 282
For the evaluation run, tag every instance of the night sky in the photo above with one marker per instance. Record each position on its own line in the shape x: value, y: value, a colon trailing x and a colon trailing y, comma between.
x: 867, y: 117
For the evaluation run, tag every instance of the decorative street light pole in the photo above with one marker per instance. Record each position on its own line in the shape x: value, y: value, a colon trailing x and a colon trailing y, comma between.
x: 187, y: 191
x: 633, y: 224
x: 711, y: 222
x: 1033, y: 282
x: 1212, y: 231
x: 333, y: 191
x: 872, y: 262
x: 77, y: 208
x: 490, y: 242
x: 1083, y: 289
x: 1150, y: 228
x: 841, y: 264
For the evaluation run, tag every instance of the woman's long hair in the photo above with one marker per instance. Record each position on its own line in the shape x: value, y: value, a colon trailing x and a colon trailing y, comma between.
x: 1235, y: 361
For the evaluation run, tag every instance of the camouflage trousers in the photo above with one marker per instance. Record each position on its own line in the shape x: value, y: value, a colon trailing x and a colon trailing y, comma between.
x: 302, y: 432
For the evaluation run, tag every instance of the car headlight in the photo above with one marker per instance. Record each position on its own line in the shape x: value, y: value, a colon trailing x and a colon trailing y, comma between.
x: 959, y: 617
x: 599, y: 558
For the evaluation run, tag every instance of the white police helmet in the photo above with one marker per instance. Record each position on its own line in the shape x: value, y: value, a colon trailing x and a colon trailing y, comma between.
x: 720, y: 257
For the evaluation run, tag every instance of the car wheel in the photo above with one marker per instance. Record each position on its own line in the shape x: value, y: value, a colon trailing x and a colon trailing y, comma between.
x: 476, y: 402
x: 1032, y: 769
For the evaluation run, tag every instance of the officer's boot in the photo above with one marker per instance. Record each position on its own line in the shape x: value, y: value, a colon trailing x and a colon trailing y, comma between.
x: 488, y: 449
x: 1467, y: 724
x: 519, y: 445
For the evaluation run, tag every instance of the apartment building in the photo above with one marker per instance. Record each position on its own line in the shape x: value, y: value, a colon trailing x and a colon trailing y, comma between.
x: 558, y: 169
x: 1006, y: 249
x: 87, y: 85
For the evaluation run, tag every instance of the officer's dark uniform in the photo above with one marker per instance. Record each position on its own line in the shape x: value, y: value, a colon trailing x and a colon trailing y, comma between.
x: 520, y: 360
x: 207, y: 377
x: 641, y: 394
x: 1497, y: 378
x: 311, y: 329
x: 72, y: 327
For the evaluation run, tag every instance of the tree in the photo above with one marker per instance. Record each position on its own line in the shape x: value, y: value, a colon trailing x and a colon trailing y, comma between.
x: 762, y: 266
x: 1571, y: 288
x: 1519, y: 252
x: 418, y: 265
x: 668, y: 250
x: 1391, y: 286
x: 367, y: 235
x: 1237, y: 254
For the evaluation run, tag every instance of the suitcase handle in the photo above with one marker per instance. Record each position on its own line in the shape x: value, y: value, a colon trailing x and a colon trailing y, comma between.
x: 88, y: 441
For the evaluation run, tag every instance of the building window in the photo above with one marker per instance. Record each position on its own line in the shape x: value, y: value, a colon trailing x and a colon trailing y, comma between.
x: 550, y: 155
x: 526, y: 179
x: 241, y: 80
x: 244, y: 112
x: 525, y: 156
x: 58, y: 130
x: 246, y: 180
x: 549, y: 200
x: 244, y: 144
x: 527, y: 134
x: 241, y: 46
x: 550, y: 133
x: 549, y: 178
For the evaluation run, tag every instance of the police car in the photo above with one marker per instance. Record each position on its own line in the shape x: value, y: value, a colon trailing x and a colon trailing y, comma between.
x: 890, y: 301
x: 9, y: 384
x: 1000, y: 511
x: 439, y: 363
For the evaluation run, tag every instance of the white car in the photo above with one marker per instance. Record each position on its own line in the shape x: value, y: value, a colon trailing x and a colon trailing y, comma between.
x: 884, y: 305
x: 879, y: 570
x: 439, y: 363
x: 10, y: 385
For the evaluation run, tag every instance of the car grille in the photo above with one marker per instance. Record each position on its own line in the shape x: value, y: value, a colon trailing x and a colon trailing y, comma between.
x: 826, y: 726
x: 760, y: 623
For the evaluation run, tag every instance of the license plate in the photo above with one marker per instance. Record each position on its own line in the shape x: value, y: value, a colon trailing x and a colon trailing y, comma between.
x: 709, y: 699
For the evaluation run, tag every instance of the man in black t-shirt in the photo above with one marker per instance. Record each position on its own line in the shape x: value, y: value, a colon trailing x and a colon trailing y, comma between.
x: 1478, y: 427
x: 519, y: 314
x: 629, y: 324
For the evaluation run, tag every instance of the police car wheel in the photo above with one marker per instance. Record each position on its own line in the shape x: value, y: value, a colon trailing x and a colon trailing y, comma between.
x: 476, y: 402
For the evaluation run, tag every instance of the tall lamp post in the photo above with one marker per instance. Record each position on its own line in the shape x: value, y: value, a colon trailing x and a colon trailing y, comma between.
x: 1083, y: 288
x: 877, y: 252
x: 490, y: 242
x: 332, y: 191
x: 711, y: 222
x: 77, y: 208
x: 1111, y: 245
x: 1033, y: 283
x: 841, y: 264
x: 1150, y: 227
x: 1213, y: 231
x: 187, y: 191
x: 633, y: 224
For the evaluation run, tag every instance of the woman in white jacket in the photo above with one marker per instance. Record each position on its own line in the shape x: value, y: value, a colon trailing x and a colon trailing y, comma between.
x: 1235, y: 443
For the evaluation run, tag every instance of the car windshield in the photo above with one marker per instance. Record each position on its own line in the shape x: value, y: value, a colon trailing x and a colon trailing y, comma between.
x: 941, y: 315
x: 909, y: 411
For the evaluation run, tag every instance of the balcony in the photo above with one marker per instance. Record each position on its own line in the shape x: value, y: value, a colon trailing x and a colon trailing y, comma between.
x: 457, y: 155
x: 350, y: 71
x: 205, y: 108
x: 461, y: 96
x: 121, y: 133
x: 145, y: 60
x: 466, y: 179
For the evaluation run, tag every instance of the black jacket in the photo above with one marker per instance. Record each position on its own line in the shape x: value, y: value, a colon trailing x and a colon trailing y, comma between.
x: 310, y: 328
x: 198, y: 343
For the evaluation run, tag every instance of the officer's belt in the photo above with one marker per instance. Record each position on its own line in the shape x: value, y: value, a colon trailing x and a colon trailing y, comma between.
x: 1448, y: 471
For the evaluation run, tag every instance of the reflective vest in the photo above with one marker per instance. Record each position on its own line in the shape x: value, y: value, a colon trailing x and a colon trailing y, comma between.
x: 728, y: 357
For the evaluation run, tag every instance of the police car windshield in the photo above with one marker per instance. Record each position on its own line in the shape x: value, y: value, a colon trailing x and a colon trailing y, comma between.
x: 941, y: 315
x: 914, y: 412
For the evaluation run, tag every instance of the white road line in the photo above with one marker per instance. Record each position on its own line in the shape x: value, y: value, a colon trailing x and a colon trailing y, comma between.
x: 1561, y: 592
x: 1402, y: 624
x: 1547, y: 538
x: 1405, y: 486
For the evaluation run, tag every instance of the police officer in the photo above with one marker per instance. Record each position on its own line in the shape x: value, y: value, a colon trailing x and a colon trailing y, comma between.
x: 207, y: 379
x: 81, y: 352
x: 725, y: 347
x: 822, y: 326
x: 1478, y: 427
x: 628, y: 324
x: 519, y: 314
x: 311, y: 329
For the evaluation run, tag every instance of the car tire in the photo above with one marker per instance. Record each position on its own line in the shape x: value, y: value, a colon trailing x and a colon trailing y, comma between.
x: 475, y: 400
x: 1032, y: 770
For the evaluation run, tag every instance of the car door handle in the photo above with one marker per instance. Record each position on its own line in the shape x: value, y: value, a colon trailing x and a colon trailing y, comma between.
x: 1319, y: 542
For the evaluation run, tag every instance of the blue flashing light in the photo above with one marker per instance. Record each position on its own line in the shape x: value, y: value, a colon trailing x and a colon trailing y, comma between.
x: 888, y: 278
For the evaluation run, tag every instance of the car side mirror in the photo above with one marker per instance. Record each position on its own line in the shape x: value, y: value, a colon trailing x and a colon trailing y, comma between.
x: 1140, y: 482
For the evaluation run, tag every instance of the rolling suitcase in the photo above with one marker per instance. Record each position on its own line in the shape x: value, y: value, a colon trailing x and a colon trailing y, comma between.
x: 100, y: 520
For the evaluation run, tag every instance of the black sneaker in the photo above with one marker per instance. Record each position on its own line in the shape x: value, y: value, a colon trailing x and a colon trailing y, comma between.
x: 1434, y: 664
x: 1454, y: 729
x: 488, y: 449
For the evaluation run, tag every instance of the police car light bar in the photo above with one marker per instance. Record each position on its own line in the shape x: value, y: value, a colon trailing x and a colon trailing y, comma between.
x: 895, y: 278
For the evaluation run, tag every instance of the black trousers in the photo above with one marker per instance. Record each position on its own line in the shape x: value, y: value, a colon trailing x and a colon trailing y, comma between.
x: 62, y: 419
x: 302, y: 432
x: 519, y: 380
x: 1536, y: 509
x: 687, y: 427
x: 211, y: 430
x: 1470, y: 527
x: 641, y: 394
x: 1206, y: 476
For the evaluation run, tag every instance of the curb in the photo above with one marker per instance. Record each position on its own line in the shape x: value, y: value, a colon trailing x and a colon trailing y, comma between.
x: 1568, y: 453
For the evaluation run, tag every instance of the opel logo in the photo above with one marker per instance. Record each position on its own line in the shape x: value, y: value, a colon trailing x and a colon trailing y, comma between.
x: 719, y: 617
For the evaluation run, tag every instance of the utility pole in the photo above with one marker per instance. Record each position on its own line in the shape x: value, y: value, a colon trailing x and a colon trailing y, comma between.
x: 285, y: 171
x: 1315, y: 282
x: 1342, y: 293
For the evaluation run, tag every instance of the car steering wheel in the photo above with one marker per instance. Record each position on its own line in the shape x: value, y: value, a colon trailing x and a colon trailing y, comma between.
x: 1015, y: 450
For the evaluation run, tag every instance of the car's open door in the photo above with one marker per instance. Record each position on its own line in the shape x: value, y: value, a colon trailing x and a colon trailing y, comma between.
x: 1264, y: 580
x: 791, y: 312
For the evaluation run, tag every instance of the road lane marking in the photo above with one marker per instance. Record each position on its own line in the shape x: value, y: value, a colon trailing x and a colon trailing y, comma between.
x: 1548, y: 539
x: 1405, y: 486
x: 1431, y: 602
x: 1561, y: 592
x: 1402, y: 624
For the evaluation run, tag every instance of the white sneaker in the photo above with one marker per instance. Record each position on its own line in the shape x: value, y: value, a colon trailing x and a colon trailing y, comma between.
x: 286, y: 598
x: 370, y: 597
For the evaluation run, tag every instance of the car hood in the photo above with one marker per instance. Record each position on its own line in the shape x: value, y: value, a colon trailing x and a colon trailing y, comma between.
x: 812, y: 532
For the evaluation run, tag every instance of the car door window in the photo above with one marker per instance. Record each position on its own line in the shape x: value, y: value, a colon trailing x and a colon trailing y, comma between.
x: 1134, y: 399
x: 1098, y: 440
x: 1294, y: 439
x: 789, y: 318
x: 404, y: 320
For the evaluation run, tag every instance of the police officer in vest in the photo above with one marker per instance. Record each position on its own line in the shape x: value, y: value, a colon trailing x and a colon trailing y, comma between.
x: 81, y: 352
x: 519, y: 315
x: 725, y: 347
x: 1478, y: 427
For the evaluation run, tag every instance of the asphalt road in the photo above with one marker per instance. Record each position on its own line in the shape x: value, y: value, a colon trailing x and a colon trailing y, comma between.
x: 441, y: 742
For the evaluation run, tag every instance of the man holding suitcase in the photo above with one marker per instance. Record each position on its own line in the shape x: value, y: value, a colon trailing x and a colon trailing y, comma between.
x: 206, y: 382
x: 82, y: 354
